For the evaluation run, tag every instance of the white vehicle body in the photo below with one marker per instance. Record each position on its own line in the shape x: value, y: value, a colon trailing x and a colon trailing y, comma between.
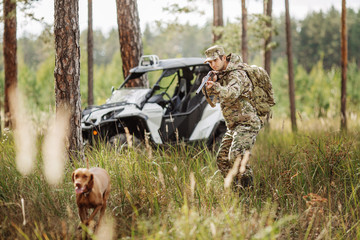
x: 166, y: 114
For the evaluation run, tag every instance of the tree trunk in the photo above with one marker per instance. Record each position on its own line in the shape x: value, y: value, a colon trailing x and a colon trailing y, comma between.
x: 290, y: 67
x: 267, y: 49
x: 129, y: 38
x: 90, y: 45
x: 10, y: 60
x: 67, y: 70
x: 244, y: 42
x: 344, y: 62
x: 218, y: 18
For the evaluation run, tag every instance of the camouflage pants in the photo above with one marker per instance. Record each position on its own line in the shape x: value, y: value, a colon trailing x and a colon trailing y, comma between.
x: 234, y: 144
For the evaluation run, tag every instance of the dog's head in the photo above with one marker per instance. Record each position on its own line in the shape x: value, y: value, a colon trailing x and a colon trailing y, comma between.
x: 83, y: 180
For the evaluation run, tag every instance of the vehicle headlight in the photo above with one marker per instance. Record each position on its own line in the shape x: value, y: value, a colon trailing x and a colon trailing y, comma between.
x: 111, y: 114
x: 84, y: 117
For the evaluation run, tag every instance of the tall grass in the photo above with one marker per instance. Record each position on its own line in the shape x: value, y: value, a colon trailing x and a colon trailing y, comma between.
x: 306, y: 186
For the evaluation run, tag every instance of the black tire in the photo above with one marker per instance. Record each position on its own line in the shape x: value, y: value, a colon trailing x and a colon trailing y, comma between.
x: 120, y: 141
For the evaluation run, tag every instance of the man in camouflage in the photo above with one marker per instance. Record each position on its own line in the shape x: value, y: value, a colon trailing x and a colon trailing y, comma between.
x: 233, y: 89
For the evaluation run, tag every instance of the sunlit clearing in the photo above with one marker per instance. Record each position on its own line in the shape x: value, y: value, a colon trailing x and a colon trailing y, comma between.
x: 54, y: 151
x: 24, y: 134
x: 106, y: 229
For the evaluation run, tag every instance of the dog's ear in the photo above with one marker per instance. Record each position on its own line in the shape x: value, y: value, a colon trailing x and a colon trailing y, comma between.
x: 91, y: 182
x: 73, y: 176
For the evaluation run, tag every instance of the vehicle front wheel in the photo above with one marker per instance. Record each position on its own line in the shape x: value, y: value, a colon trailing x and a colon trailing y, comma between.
x: 120, y: 140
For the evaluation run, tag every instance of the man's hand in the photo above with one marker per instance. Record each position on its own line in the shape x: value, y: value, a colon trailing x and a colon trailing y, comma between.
x: 210, y: 77
x: 210, y: 82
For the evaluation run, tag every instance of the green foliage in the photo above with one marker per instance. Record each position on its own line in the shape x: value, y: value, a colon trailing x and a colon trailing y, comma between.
x: 27, y: 84
x: 317, y: 92
x: 316, y: 58
x: 175, y: 40
x: 178, y: 9
x: 107, y: 76
x: 280, y: 37
x: 320, y: 38
x: 45, y: 80
x: 353, y: 26
x: 353, y: 86
x: 230, y: 37
x: 105, y: 46
x: 280, y: 86
x: 314, y: 38
x: 257, y: 31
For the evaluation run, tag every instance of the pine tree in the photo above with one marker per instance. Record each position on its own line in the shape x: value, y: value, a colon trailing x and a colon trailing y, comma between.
x: 67, y: 70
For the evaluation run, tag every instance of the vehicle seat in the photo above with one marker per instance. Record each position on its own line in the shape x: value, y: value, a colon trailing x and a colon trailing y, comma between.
x: 188, y: 77
x: 179, y: 98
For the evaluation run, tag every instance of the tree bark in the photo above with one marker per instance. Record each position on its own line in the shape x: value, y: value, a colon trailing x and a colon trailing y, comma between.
x: 90, y: 52
x: 290, y: 67
x: 67, y: 70
x: 244, y: 41
x: 344, y: 62
x: 267, y: 49
x: 130, y: 38
x: 10, y: 60
x: 218, y: 18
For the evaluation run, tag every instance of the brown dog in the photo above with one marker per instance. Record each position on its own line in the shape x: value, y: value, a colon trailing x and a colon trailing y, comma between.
x: 92, y: 187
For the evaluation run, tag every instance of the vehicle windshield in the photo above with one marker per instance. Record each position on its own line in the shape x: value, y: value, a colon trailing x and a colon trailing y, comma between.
x: 169, y: 87
x: 129, y: 95
x: 167, y: 82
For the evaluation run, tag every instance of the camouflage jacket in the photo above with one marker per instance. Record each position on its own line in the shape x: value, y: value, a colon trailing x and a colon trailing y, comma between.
x: 233, y: 88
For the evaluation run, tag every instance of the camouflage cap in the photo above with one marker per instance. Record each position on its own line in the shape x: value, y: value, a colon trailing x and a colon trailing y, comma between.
x: 213, y: 52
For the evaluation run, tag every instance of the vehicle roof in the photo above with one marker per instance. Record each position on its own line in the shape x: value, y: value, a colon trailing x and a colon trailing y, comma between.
x: 169, y: 64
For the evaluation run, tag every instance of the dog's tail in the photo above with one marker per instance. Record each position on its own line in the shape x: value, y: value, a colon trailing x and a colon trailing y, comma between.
x: 87, y: 163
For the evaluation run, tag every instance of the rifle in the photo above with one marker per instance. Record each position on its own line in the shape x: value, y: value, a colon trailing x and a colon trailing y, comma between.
x: 205, y: 79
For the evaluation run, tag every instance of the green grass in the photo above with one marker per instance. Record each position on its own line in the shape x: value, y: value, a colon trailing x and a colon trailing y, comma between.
x: 306, y: 185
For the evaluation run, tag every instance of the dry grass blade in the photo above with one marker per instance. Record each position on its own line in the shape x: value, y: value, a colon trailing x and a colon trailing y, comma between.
x: 128, y: 137
x: 105, y: 230
x: 192, y: 184
x: 244, y: 162
x: 161, y: 178
x: 23, y: 211
x: 24, y: 134
x: 54, y: 147
x: 239, y: 166
x: 147, y: 144
x: 232, y: 173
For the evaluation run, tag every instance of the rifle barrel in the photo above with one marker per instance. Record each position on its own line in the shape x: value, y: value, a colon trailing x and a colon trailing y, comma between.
x: 206, y: 78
